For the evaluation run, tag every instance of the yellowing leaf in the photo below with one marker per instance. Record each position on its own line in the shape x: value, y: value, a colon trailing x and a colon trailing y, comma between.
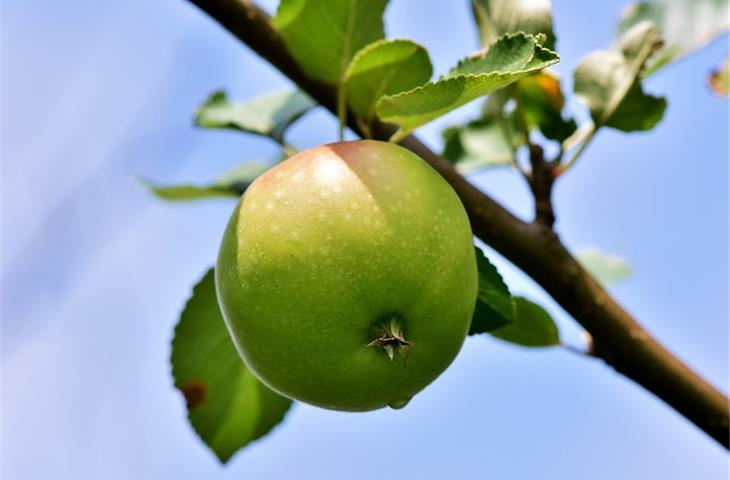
x: 720, y: 79
x: 543, y: 102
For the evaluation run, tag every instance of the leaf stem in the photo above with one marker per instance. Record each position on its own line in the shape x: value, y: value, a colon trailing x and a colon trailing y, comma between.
x: 509, y: 139
x: 341, y: 109
x: 364, y: 127
x: 587, y: 137
x: 398, y: 135
x: 288, y: 150
x: 520, y: 111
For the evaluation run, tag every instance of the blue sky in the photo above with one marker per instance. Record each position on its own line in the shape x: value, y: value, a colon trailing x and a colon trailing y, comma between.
x: 95, y: 271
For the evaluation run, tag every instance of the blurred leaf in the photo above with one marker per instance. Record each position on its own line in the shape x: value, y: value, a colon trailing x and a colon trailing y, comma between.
x: 231, y: 185
x: 532, y: 326
x: 494, y: 308
x: 324, y: 35
x: 638, y: 111
x: 543, y: 103
x: 607, y: 81
x: 227, y: 406
x: 382, y: 68
x: 267, y: 115
x: 512, y: 57
x: 720, y: 79
x: 496, y: 17
x: 685, y: 25
x: 607, y: 269
x: 175, y: 193
x: 478, y: 144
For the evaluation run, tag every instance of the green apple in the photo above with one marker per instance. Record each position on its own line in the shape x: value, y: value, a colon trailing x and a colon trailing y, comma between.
x: 347, y: 276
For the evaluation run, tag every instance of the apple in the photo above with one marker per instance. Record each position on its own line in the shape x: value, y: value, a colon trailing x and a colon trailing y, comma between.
x: 347, y: 276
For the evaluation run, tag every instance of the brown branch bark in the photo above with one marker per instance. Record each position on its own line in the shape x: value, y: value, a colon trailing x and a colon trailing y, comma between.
x: 533, y: 247
x: 541, y: 182
x: 540, y: 178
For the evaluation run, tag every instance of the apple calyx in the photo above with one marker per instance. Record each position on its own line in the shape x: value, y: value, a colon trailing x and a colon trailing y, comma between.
x: 392, y: 340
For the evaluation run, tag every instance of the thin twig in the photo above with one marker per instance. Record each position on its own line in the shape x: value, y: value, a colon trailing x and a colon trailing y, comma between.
x: 564, y: 167
x: 541, y: 177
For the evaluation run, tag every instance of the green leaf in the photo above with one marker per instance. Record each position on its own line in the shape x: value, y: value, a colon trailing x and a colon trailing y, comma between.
x: 227, y: 406
x: 512, y: 57
x: 494, y: 307
x: 232, y: 185
x: 608, y: 269
x: 175, y: 193
x: 382, y: 68
x: 269, y: 115
x: 532, y: 327
x: 685, y: 25
x: 543, y: 102
x: 496, y: 17
x: 638, y: 111
x: 607, y: 81
x: 324, y: 35
x: 478, y: 144
x: 720, y: 79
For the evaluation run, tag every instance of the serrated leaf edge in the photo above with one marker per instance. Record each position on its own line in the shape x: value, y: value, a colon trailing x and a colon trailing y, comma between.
x: 469, y: 76
x: 537, y: 47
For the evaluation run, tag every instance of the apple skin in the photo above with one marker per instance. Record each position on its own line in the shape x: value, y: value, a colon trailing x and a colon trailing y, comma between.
x: 328, y: 246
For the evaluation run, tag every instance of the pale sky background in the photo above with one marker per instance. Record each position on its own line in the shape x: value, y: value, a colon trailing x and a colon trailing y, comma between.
x: 95, y: 271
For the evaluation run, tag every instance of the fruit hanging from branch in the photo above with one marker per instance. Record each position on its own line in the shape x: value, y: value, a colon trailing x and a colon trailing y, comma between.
x: 347, y: 276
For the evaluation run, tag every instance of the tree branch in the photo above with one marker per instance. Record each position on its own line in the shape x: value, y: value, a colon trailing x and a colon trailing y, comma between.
x: 541, y: 184
x: 533, y: 247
